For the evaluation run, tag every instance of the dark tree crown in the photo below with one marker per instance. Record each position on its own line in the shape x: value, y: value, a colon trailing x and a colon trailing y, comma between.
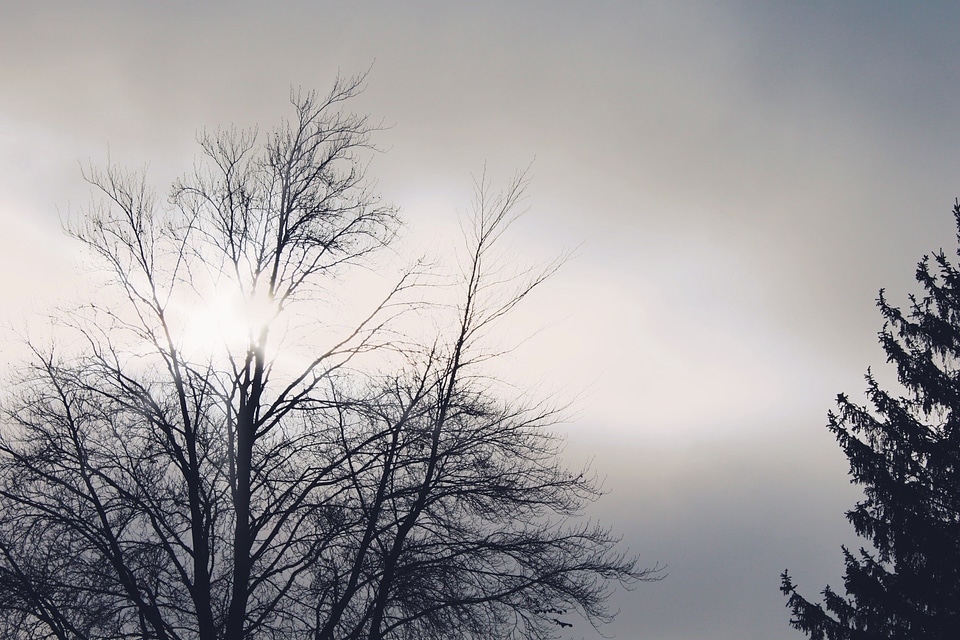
x: 303, y: 478
x: 905, y: 453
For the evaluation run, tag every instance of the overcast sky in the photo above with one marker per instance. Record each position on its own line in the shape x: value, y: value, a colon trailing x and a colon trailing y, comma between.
x: 740, y: 178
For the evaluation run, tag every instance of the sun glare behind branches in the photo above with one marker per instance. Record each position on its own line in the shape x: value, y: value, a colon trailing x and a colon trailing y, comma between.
x: 225, y: 321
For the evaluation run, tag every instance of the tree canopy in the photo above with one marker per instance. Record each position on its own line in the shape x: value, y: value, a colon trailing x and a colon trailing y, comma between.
x: 266, y: 480
x: 905, y: 453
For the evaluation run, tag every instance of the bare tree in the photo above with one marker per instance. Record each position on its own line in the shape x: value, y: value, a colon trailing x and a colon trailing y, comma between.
x: 153, y: 489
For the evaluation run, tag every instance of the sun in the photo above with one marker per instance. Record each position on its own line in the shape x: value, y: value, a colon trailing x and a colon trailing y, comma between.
x: 227, y: 321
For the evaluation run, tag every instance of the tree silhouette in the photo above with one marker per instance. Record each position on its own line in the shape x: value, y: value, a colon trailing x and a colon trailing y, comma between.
x: 157, y: 482
x: 906, y: 455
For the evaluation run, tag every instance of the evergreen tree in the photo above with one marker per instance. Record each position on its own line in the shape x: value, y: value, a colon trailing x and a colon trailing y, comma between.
x: 905, y: 453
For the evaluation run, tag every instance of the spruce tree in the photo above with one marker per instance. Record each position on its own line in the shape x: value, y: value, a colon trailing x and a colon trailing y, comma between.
x: 905, y: 453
